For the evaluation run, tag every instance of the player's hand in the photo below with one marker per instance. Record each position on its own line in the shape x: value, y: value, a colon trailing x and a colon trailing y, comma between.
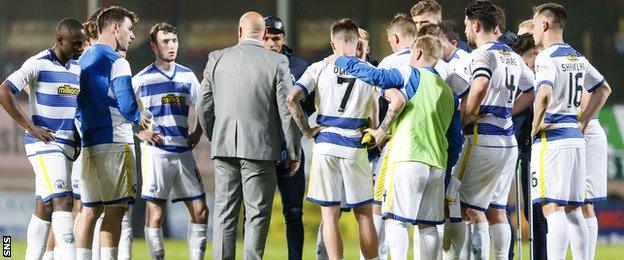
x: 41, y: 133
x: 380, y: 136
x: 538, y: 128
x: 583, y: 126
x: 293, y: 166
x: 314, y: 132
x: 150, y: 136
x: 330, y: 59
x: 146, y: 120
x: 193, y: 139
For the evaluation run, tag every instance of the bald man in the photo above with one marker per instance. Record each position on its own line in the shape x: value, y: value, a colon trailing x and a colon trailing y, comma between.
x: 241, y: 105
x: 52, y: 78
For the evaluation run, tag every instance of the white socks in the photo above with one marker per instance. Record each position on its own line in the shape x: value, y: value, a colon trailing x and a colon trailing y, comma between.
x: 429, y: 243
x: 36, y: 237
x: 592, y: 226
x: 557, y: 237
x: 196, y: 237
x: 379, y: 224
x: 155, y: 242
x: 397, y: 238
x: 83, y: 254
x: 108, y: 253
x: 466, y: 251
x: 500, y: 238
x: 125, y: 240
x: 453, y: 240
x: 415, y: 240
x: 480, y: 240
x: 95, y: 245
x: 579, y: 235
x: 62, y: 226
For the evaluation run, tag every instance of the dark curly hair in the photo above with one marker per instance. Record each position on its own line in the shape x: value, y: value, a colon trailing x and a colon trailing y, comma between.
x: 485, y: 13
x: 523, y: 44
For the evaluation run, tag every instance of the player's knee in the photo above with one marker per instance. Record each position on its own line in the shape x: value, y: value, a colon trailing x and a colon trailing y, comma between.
x: 63, y: 203
x: 200, y: 214
x: 473, y: 214
x: 495, y: 216
x: 91, y: 213
x: 43, y: 210
x: 588, y: 211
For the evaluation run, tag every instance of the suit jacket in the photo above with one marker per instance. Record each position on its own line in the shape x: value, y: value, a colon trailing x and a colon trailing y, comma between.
x: 242, y: 103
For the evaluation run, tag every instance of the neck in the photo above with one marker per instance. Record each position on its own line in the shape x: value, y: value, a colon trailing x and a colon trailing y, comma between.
x: 59, y: 54
x: 163, y: 65
x: 551, y: 38
x: 108, y: 39
x: 422, y: 63
x: 450, y: 53
x: 404, y: 44
x: 484, y: 38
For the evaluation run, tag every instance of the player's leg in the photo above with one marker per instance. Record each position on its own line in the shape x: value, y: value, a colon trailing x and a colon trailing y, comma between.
x: 95, y: 244
x: 158, y: 173
x: 49, y: 249
x: 557, y: 237
x: 456, y: 232
x: 578, y: 231
x: 481, y: 175
x: 63, y: 227
x: 380, y: 168
x: 196, y: 232
x: 153, y: 229
x: 292, y: 190
x: 40, y: 223
x: 454, y: 226
x: 321, y: 252
x: 125, y: 239
x: 430, y: 214
x: 368, y: 238
x: 330, y: 215
x: 596, y: 178
x: 500, y: 230
x: 111, y: 230
x: 84, y: 230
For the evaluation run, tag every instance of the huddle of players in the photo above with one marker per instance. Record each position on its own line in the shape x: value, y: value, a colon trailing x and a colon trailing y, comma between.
x: 421, y: 135
x: 91, y: 100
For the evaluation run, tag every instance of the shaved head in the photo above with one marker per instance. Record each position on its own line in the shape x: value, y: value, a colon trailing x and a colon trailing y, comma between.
x: 67, y: 27
x: 251, y: 25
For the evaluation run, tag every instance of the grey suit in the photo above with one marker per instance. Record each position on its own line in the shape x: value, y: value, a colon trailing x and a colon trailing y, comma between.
x: 242, y: 107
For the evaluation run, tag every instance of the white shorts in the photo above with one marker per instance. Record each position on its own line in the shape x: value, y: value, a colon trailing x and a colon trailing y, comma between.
x: 52, y: 175
x: 452, y: 200
x: 485, y: 174
x: 170, y: 175
x: 557, y: 175
x: 108, y: 173
x: 407, y: 185
x: 75, y: 177
x: 596, y: 163
x: 334, y: 180
x: 380, y: 167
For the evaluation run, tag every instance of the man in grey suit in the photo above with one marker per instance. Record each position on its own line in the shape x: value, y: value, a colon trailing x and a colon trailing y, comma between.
x: 242, y: 106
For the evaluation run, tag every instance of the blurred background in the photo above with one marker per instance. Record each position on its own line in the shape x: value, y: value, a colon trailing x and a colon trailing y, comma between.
x: 595, y: 28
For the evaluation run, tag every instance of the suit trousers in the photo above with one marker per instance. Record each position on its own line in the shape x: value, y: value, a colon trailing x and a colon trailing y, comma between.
x: 252, y: 183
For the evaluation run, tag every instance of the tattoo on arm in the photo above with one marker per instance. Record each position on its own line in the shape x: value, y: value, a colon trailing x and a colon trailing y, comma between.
x: 294, y: 105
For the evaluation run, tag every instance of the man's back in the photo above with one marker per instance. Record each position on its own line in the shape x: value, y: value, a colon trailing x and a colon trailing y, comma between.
x: 249, y: 87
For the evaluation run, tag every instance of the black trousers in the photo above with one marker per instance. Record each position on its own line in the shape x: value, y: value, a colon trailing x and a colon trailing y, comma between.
x: 292, y: 191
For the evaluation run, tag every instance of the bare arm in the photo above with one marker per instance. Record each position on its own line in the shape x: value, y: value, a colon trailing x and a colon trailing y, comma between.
x: 8, y: 102
x: 396, y: 104
x: 596, y: 101
x: 522, y: 102
x: 542, y: 100
x: 473, y: 101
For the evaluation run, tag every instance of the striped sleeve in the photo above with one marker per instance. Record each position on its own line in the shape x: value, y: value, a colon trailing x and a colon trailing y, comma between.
x: 121, y: 82
x: 24, y: 75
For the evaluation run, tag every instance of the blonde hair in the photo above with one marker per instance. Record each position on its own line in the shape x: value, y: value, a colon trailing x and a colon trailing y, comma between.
x: 526, y: 25
x: 426, y: 6
x: 363, y: 34
x: 430, y: 46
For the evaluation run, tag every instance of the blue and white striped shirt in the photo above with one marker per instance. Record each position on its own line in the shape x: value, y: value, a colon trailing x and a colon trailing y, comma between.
x: 53, y: 91
x: 168, y: 96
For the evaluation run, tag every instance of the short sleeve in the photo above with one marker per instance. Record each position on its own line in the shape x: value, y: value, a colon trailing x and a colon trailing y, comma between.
x: 481, y: 64
x: 136, y: 85
x: 194, y: 88
x: 120, y: 68
x: 527, y: 79
x: 309, y: 79
x: 24, y: 75
x: 545, y: 70
x: 593, y: 78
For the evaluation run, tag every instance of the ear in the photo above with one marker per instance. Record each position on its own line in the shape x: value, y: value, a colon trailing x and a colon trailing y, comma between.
x: 264, y: 33
x: 396, y: 38
x: 534, y: 51
x: 476, y: 26
x: 115, y: 27
x: 333, y: 46
x: 454, y: 42
x: 419, y: 54
x: 545, y: 26
x: 360, y: 46
x: 152, y: 46
x: 239, y: 31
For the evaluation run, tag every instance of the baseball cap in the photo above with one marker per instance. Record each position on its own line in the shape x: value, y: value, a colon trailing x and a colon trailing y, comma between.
x: 274, y: 23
